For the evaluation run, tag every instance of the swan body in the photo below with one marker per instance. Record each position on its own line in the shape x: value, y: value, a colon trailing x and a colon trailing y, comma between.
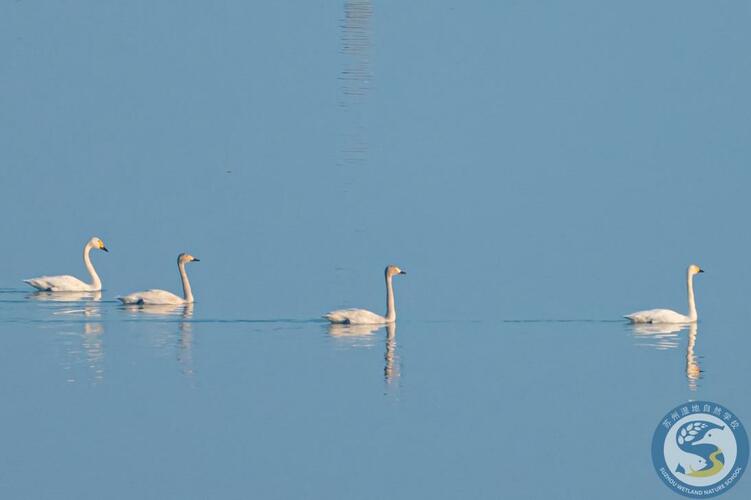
x: 667, y: 315
x: 356, y: 317
x: 365, y: 317
x: 65, y: 283
x: 659, y: 316
x: 163, y: 297
x: 68, y: 283
x: 153, y: 296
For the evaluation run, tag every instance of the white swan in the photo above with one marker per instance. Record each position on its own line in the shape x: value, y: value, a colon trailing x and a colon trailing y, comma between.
x: 666, y: 315
x: 69, y: 283
x: 159, y: 297
x: 365, y: 317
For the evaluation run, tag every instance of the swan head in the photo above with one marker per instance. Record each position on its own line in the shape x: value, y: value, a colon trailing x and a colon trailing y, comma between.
x: 184, y: 258
x: 694, y: 269
x: 97, y: 243
x: 393, y: 271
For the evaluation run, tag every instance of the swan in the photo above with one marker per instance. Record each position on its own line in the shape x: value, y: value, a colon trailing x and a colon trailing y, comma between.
x: 365, y: 317
x: 69, y: 283
x: 159, y: 297
x: 666, y: 315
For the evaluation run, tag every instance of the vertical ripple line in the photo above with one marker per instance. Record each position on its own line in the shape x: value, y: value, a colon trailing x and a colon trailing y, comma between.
x: 354, y: 85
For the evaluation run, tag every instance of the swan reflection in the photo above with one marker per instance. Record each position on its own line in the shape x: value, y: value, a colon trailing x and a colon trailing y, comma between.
x: 60, y: 303
x: 667, y: 336
x: 355, y: 336
x: 66, y: 296
x: 391, y: 370
x: 83, y: 342
x: 183, y: 341
x: 184, y: 310
x: 693, y: 370
x: 658, y: 336
x: 347, y: 330
x: 93, y: 346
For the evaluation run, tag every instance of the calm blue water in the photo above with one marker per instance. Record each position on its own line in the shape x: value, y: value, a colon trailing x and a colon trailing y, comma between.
x: 539, y: 170
x: 107, y: 402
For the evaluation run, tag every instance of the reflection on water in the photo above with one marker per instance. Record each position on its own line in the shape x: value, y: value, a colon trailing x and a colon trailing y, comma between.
x: 165, y: 338
x: 61, y: 302
x: 355, y: 78
x: 185, y: 342
x: 354, y: 336
x: 159, y: 309
x: 93, y: 345
x: 66, y: 296
x: 85, y: 346
x: 349, y: 336
x: 693, y: 370
x: 658, y: 336
x: 392, y: 368
x: 667, y: 336
x: 344, y: 330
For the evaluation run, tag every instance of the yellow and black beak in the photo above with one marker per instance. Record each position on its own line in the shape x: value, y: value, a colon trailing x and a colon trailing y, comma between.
x: 701, y: 270
x: 104, y: 248
x: 402, y: 272
x: 195, y: 260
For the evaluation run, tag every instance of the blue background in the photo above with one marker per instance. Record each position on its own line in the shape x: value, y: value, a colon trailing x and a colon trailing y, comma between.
x: 538, y: 168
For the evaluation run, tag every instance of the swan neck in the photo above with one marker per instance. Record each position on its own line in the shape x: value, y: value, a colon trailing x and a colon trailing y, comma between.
x: 390, y: 307
x: 187, y: 292
x: 96, y: 283
x: 691, y: 302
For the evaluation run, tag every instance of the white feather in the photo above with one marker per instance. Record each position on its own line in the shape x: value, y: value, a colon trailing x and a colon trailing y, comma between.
x: 658, y: 316
x: 155, y: 297
x: 59, y: 284
x: 355, y: 317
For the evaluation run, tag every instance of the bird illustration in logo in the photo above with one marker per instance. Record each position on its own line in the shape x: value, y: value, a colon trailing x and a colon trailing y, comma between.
x: 699, y: 440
